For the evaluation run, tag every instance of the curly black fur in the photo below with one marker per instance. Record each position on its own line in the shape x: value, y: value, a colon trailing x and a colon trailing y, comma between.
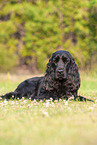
x: 61, y: 80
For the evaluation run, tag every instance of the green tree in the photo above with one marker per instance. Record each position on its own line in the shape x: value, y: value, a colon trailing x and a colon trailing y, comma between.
x: 31, y: 30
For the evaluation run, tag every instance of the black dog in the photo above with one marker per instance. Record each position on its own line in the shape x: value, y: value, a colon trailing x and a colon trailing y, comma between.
x: 60, y: 81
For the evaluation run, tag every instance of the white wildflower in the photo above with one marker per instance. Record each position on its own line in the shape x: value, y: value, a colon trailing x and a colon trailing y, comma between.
x: 12, y: 96
x: 25, y: 101
x: 66, y: 103
x: 51, y: 99
x: 69, y: 108
x: 56, y: 101
x: 45, y: 113
x: 22, y: 98
x: 36, y: 104
x: 47, y: 100
x: 1, y: 103
x: 17, y: 103
x: 95, y: 101
x: 94, y: 105
x: 47, y: 104
x: 60, y: 100
x: 28, y: 105
x: 91, y: 108
x: 5, y: 101
x: 12, y: 102
x: 34, y: 101
x: 22, y: 103
x: 52, y: 104
x: 40, y: 101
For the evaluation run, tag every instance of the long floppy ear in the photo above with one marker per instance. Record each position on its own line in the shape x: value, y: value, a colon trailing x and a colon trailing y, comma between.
x: 73, y: 72
x: 49, y: 76
x: 48, y: 69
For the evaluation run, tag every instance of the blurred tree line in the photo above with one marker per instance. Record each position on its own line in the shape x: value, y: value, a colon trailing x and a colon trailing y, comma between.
x: 31, y: 30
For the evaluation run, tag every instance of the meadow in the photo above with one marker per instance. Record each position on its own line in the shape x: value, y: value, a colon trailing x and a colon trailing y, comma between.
x: 62, y: 122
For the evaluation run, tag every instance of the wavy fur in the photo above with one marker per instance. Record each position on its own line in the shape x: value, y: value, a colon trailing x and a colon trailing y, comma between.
x: 61, y: 80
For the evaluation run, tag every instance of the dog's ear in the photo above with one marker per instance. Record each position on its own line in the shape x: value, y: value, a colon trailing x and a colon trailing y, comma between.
x: 73, y: 72
x: 49, y: 76
x: 49, y: 68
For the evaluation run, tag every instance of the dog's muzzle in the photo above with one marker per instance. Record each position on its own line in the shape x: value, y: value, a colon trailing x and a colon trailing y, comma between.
x: 61, y: 74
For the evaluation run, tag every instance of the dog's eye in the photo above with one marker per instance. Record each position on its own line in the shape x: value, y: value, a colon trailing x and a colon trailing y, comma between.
x: 65, y: 59
x: 57, y: 59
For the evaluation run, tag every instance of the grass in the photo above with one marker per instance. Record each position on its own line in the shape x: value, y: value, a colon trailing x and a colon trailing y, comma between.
x: 24, y: 122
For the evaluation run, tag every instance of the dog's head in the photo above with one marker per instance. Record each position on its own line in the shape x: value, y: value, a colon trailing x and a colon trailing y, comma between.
x: 61, y: 63
x: 61, y: 68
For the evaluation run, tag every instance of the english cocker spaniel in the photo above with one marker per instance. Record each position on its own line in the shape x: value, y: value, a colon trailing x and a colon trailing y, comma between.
x: 61, y: 80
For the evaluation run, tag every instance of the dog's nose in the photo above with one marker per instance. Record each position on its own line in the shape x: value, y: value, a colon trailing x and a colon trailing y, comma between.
x: 60, y: 71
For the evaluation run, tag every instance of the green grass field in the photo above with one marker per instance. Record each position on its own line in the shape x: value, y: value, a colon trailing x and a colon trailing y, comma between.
x: 26, y: 122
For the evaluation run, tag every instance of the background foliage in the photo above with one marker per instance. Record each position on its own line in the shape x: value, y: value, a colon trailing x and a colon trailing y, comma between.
x: 31, y: 30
